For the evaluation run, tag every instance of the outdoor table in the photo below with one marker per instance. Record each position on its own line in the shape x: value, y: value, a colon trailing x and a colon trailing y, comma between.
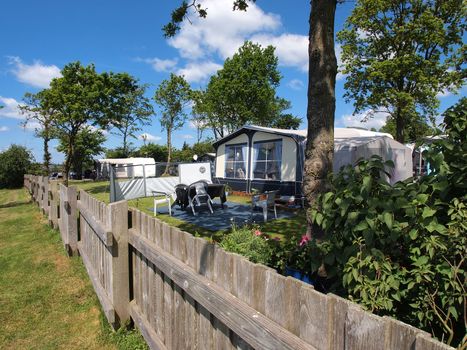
x: 214, y: 190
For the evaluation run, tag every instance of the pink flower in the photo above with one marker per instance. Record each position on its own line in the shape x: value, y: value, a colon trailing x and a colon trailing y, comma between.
x: 258, y: 233
x: 277, y: 239
x: 304, y: 240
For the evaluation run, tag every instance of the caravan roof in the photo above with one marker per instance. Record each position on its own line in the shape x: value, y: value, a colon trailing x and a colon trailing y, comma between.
x: 133, y: 161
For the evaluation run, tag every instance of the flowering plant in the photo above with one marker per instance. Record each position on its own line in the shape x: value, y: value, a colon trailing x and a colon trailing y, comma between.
x: 300, y: 253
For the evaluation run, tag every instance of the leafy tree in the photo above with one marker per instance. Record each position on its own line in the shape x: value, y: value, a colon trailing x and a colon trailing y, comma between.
x: 287, y: 121
x: 78, y: 98
x: 243, y: 91
x: 88, y: 143
x: 173, y: 96
x: 134, y: 110
x: 321, y: 89
x: 399, y: 54
x: 415, y: 130
x: 117, y: 153
x: 14, y: 164
x: 187, y: 152
x: 35, y: 112
x: 153, y: 150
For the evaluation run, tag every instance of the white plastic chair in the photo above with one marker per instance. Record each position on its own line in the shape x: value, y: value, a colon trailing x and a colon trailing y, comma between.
x: 264, y: 204
x: 166, y: 199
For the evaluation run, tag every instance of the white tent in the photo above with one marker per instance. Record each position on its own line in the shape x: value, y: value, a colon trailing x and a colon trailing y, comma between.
x: 127, y: 167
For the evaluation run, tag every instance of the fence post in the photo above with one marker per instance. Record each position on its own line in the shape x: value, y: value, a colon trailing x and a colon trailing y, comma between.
x: 45, y: 198
x: 54, y: 201
x: 118, y: 217
x: 68, y: 218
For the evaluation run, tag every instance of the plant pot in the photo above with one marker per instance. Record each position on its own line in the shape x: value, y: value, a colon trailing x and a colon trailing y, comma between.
x: 300, y: 275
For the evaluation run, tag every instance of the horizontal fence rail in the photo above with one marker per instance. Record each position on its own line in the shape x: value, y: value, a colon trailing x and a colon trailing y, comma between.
x: 183, y: 292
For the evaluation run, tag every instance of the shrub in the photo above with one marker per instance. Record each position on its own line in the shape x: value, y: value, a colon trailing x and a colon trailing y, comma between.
x: 249, y: 242
x: 401, y: 250
x: 14, y: 163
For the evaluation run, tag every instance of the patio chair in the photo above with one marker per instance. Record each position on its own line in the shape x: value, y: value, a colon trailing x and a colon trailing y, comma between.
x: 264, y: 204
x: 166, y: 197
x: 201, y: 196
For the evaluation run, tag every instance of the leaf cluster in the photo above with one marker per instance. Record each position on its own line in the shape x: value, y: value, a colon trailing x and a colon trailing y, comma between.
x: 15, y: 162
x: 401, y: 250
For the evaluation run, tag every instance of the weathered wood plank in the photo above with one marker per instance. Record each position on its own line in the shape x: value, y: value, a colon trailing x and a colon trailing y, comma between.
x: 314, y: 318
x: 104, y: 299
x: 363, y: 330
x: 256, y: 329
x: 168, y: 311
x: 400, y: 335
x: 146, y: 330
x: 97, y: 226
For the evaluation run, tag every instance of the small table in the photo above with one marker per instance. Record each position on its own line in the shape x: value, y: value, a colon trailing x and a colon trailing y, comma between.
x: 214, y: 190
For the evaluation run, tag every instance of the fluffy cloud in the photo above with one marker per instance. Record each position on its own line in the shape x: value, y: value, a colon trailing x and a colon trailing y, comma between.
x: 198, y: 72
x: 187, y: 136
x: 10, y: 108
x: 148, y: 137
x: 36, y: 74
x: 377, y: 121
x: 32, y: 126
x: 160, y: 65
x: 223, y: 31
x: 295, y: 84
x: 4, y: 128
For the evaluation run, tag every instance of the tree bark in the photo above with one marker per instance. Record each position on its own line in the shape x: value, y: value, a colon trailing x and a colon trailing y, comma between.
x: 169, y: 150
x: 400, y: 125
x: 46, y: 155
x: 321, y: 102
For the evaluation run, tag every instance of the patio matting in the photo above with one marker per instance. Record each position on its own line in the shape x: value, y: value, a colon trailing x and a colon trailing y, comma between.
x: 222, y: 219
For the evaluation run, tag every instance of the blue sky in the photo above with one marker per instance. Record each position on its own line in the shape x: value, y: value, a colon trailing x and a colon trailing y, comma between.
x: 40, y: 37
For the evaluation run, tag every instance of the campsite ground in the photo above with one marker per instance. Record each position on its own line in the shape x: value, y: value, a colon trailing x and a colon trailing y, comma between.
x: 47, y: 300
x: 276, y: 228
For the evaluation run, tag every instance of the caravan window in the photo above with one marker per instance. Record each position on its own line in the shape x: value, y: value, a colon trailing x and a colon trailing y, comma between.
x: 267, y: 160
x: 235, y: 156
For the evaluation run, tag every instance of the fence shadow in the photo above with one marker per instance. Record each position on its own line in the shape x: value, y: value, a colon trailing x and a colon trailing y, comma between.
x: 14, y: 204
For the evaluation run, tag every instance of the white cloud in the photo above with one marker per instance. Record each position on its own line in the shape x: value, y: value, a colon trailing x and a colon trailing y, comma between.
x: 4, y: 128
x: 160, y: 65
x: 295, y: 84
x: 148, y: 137
x: 291, y: 49
x: 223, y: 31
x: 377, y: 121
x: 196, y: 123
x: 10, y: 108
x: 32, y: 126
x: 187, y: 137
x: 36, y: 74
x: 197, y: 72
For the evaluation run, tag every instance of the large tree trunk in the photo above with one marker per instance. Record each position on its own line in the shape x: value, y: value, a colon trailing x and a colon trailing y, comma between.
x: 400, y: 125
x: 46, y: 155
x: 321, y: 102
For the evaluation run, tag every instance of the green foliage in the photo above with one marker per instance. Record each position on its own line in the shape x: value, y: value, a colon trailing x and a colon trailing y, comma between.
x: 401, y: 250
x: 187, y: 152
x: 14, y: 163
x: 250, y: 243
x: 88, y: 143
x: 286, y: 121
x: 415, y: 130
x: 399, y: 54
x: 173, y: 96
x: 153, y: 150
x: 133, y: 110
x: 81, y: 96
x: 243, y: 92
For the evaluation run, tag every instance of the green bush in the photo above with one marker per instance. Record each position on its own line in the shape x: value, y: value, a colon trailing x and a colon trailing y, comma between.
x: 14, y: 163
x: 249, y: 242
x: 401, y: 250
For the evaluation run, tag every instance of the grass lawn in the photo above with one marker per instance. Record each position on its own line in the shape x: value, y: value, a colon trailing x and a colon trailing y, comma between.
x: 46, y: 298
x: 276, y: 228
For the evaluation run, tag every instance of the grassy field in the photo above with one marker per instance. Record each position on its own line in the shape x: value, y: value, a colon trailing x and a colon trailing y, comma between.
x: 46, y: 298
x: 276, y: 228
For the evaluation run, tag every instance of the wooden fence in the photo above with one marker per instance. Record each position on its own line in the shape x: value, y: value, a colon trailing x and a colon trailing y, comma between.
x: 185, y: 293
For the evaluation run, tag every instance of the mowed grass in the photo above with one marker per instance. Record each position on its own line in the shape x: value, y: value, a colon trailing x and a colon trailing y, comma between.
x: 46, y: 298
x: 276, y: 228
